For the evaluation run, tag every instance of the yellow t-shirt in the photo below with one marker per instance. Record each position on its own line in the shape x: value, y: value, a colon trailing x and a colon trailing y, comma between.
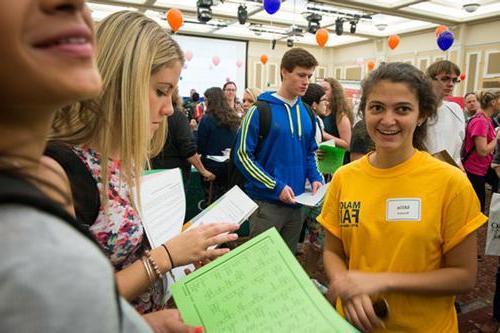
x: 403, y: 219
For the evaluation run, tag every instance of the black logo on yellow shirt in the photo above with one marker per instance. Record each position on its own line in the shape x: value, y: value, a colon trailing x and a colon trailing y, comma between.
x: 349, y: 213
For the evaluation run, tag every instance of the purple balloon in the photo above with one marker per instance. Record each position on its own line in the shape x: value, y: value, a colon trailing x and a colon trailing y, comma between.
x: 272, y: 6
x: 445, y: 40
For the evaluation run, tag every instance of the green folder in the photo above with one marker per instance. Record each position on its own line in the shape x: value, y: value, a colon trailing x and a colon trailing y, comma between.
x: 333, y: 157
x: 257, y: 287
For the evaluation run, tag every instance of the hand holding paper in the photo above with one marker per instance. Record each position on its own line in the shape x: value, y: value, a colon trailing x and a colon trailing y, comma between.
x: 312, y: 199
x: 257, y: 287
x: 192, y: 245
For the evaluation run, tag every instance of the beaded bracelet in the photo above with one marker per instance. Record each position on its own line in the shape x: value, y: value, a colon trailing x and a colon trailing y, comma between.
x: 153, y: 263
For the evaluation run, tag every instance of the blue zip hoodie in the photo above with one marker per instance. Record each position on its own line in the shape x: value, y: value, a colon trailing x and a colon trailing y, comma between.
x: 286, y: 156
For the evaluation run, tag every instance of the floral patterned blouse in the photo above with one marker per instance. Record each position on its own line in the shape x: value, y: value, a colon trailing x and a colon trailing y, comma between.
x: 118, y: 227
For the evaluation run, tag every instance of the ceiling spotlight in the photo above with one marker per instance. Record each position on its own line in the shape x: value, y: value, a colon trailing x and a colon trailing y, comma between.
x: 289, y: 42
x: 353, y: 27
x: 339, y: 26
x: 313, y: 20
x: 242, y: 14
x: 204, y: 10
x: 381, y: 26
x: 471, y: 7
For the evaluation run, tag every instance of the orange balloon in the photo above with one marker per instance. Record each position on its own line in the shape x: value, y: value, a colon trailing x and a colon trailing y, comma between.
x: 371, y: 65
x: 440, y: 29
x: 322, y: 37
x: 174, y: 19
x: 263, y: 59
x: 393, y: 41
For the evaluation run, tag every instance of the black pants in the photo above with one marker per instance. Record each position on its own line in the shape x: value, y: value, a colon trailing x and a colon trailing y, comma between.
x: 478, y: 183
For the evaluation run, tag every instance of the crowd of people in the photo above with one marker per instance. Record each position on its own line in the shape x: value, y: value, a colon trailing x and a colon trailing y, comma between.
x: 103, y: 106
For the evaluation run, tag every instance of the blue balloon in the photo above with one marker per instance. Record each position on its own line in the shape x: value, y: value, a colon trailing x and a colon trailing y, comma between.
x: 272, y: 6
x: 445, y: 40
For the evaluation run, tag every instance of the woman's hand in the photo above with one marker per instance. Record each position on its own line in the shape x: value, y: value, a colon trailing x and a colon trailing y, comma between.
x: 359, y: 312
x: 208, y: 176
x: 169, y: 321
x: 354, y: 283
x: 192, y: 245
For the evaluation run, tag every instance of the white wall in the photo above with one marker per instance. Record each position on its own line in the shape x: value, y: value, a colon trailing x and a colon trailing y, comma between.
x: 416, y: 48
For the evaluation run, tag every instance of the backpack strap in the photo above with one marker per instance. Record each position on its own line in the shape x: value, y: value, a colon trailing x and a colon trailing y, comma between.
x: 312, y: 116
x: 265, y: 118
x: 83, y: 185
x: 16, y: 190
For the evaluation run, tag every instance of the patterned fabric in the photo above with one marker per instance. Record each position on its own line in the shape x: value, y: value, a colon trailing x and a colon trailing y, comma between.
x: 118, y: 228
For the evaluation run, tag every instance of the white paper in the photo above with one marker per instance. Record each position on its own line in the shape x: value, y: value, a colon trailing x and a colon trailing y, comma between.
x: 233, y: 207
x: 163, y: 205
x: 217, y: 158
x: 330, y: 142
x: 307, y: 199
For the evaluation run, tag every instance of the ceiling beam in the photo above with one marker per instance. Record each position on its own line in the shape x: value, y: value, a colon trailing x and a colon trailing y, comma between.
x: 388, y: 11
x: 407, y: 4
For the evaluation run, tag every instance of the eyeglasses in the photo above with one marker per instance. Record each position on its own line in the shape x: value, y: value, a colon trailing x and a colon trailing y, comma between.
x: 445, y: 79
x: 229, y: 89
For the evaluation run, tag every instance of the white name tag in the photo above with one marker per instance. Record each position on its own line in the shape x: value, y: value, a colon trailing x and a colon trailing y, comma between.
x: 403, y: 209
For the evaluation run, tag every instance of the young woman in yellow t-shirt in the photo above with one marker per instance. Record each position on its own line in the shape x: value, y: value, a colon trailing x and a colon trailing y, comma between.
x: 400, y: 223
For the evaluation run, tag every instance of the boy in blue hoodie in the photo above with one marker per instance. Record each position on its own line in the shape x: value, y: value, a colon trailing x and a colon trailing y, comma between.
x: 276, y: 169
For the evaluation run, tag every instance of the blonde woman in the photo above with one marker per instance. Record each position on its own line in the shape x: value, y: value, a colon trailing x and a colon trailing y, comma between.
x: 114, y: 135
x: 249, y: 97
x: 339, y: 119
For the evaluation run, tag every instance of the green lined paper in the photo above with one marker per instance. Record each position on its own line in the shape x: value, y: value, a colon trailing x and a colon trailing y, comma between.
x: 258, y: 287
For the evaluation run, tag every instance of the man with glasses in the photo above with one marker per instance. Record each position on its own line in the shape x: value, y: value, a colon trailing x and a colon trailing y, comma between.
x: 447, y: 130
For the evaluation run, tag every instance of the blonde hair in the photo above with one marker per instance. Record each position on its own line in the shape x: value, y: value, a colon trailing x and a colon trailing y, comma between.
x: 131, y: 47
x: 253, y: 92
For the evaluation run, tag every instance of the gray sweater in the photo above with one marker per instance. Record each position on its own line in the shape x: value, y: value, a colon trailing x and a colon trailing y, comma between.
x: 52, y: 279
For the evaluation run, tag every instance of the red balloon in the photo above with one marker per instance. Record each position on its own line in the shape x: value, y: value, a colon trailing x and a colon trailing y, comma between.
x: 263, y: 59
x: 462, y: 77
x: 371, y: 65
x: 393, y: 41
x: 174, y: 19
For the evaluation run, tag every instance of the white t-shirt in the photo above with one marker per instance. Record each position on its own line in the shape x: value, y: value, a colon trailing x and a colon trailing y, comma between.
x: 447, y: 130
x: 319, y: 130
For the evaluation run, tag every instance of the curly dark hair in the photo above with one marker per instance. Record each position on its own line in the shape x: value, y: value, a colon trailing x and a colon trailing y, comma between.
x: 417, y: 81
x: 338, y: 103
x: 218, y: 108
